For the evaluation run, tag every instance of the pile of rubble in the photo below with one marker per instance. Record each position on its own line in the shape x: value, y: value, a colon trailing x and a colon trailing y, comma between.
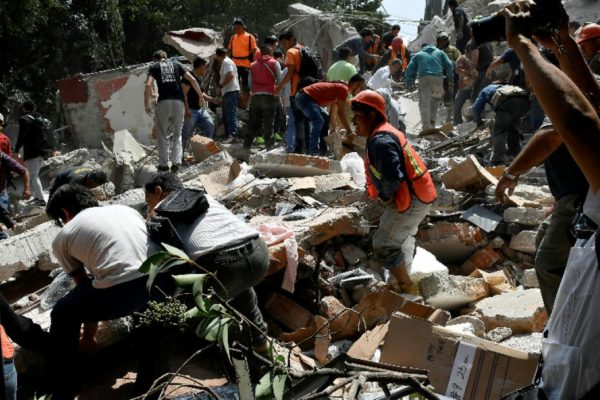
x: 473, y: 279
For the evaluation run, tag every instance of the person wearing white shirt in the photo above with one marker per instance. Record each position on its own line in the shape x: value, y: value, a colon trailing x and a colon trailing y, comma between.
x: 382, y: 79
x: 230, y: 89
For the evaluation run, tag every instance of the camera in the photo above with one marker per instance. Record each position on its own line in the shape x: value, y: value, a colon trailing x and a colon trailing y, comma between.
x: 546, y: 15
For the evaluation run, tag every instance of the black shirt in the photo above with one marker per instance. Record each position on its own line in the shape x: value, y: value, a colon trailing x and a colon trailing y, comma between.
x: 564, y: 175
x: 192, y: 97
x: 485, y: 54
x: 457, y: 15
x: 29, y: 138
x: 70, y: 175
x: 386, y: 39
x: 168, y: 75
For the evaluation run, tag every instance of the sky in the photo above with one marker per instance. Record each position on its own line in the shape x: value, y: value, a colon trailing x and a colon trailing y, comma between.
x: 404, y: 11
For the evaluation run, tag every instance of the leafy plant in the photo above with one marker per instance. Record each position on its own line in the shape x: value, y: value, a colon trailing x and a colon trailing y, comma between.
x: 272, y: 384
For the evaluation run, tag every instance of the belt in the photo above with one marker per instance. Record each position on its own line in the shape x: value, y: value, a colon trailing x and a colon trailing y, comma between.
x: 233, y: 252
x: 8, y: 360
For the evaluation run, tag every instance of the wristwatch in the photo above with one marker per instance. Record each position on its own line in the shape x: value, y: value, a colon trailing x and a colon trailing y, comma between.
x: 506, y: 174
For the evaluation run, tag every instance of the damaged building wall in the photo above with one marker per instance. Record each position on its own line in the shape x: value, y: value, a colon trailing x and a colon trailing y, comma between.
x: 99, y: 104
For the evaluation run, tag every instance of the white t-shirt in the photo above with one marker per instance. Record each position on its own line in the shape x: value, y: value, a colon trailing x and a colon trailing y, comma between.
x: 228, y: 66
x: 110, y: 242
x: 381, y: 79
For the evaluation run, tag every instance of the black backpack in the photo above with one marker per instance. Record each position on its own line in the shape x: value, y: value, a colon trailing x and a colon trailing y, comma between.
x: 310, y: 64
x: 43, y: 134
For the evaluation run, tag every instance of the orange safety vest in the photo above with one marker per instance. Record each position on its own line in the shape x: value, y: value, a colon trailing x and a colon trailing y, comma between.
x: 394, y: 55
x: 374, y: 49
x: 417, y: 179
x: 241, y: 49
x: 8, y: 350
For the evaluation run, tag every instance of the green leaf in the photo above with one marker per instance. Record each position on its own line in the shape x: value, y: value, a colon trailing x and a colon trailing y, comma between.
x: 225, y: 340
x: 212, y: 330
x: 188, y: 279
x: 192, y: 312
x: 153, y: 260
x: 280, y: 359
x: 264, y: 388
x: 174, y: 251
x: 279, y: 386
x: 162, y: 267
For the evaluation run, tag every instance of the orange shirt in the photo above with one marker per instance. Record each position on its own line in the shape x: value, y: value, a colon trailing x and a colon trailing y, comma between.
x: 294, y: 58
x: 241, y: 45
x: 8, y: 350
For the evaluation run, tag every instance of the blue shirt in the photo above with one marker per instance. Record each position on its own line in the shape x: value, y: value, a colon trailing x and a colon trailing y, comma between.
x: 485, y: 96
x: 385, y: 155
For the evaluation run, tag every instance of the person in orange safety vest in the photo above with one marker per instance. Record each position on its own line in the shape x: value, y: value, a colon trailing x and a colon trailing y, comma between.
x: 397, y: 177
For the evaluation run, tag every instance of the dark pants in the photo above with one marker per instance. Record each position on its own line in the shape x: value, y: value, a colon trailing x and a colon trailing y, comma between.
x: 301, y: 128
x: 230, y: 104
x: 553, y: 245
x: 459, y: 102
x: 239, y: 270
x: 506, y: 128
x: 319, y: 121
x: 262, y: 113
x: 479, y: 84
x: 85, y: 304
x: 279, y: 124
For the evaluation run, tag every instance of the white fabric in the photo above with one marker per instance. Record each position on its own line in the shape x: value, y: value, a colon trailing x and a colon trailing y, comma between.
x: 381, y: 79
x: 216, y: 229
x: 228, y: 66
x: 571, y: 358
x: 277, y: 233
x: 110, y: 242
x: 286, y: 90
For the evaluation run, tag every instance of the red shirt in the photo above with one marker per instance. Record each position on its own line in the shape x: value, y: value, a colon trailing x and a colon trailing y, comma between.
x: 5, y: 144
x: 325, y: 93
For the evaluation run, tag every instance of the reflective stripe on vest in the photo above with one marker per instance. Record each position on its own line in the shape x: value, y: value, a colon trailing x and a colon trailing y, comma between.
x: 417, y: 180
x: 8, y: 350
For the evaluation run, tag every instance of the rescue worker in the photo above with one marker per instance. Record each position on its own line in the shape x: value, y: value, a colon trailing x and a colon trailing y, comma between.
x: 242, y: 47
x: 397, y: 50
x: 589, y: 43
x: 398, y: 178
x: 373, y: 48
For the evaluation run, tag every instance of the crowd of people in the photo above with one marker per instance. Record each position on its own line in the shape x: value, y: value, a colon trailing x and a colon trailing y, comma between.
x: 550, y: 85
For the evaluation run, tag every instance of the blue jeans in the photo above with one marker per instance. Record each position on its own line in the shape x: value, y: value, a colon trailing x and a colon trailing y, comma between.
x: 290, y: 136
x: 230, y: 104
x: 10, y: 380
x: 313, y: 112
x: 301, y: 127
x: 200, y: 118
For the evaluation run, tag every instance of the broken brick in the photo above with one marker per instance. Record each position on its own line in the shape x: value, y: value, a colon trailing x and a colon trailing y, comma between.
x: 287, y: 312
x: 483, y: 258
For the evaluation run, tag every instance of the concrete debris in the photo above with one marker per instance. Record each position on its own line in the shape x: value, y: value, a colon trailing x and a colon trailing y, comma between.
x: 529, y: 343
x: 529, y: 279
x: 522, y: 311
x: 203, y: 147
x: 277, y: 163
x: 525, y: 215
x: 484, y: 258
x: 353, y: 254
x: 524, y: 241
x: 424, y: 264
x: 452, y: 242
x: 194, y: 42
x: 124, y: 142
x: 467, y: 324
x: 482, y: 217
x: 450, y: 292
x: 499, y: 334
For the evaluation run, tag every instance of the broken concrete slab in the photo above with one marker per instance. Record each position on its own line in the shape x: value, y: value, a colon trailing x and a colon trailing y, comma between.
x: 467, y: 324
x: 29, y: 249
x: 483, y: 258
x: 134, y: 198
x: 522, y: 311
x: 424, y: 264
x: 468, y: 176
x: 498, y: 281
x: 124, y: 142
x: 452, y: 242
x: 525, y: 215
x: 211, y: 164
x: 452, y: 291
x: 194, y: 42
x: 524, y: 241
x: 530, y: 343
x: 353, y: 254
x: 277, y: 163
x: 448, y: 200
x: 482, y: 217
x: 203, y: 147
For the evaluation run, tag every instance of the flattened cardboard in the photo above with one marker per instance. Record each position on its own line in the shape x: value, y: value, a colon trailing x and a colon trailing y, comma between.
x: 496, y: 369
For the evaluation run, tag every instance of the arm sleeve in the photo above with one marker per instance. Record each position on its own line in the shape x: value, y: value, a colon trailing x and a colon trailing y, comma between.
x: 448, y: 67
x: 410, y: 73
x: 13, y: 164
x: 23, y: 330
x: 388, y: 163
x: 277, y: 72
x: 479, y: 105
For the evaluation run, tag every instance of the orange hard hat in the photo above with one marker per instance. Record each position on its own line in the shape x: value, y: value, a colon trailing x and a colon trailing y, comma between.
x: 372, y: 99
x: 588, y: 32
x: 397, y: 43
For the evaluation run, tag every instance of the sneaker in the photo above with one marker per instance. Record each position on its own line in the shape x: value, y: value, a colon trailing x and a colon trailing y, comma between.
x: 259, y: 140
x: 277, y: 137
x: 37, y: 203
x: 175, y: 168
x: 231, y: 140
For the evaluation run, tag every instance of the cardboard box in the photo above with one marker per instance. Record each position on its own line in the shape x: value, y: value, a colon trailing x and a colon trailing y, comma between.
x: 460, y: 366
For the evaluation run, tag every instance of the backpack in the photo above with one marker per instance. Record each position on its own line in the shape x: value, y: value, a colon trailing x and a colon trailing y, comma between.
x: 504, y: 92
x: 310, y: 64
x: 43, y: 134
